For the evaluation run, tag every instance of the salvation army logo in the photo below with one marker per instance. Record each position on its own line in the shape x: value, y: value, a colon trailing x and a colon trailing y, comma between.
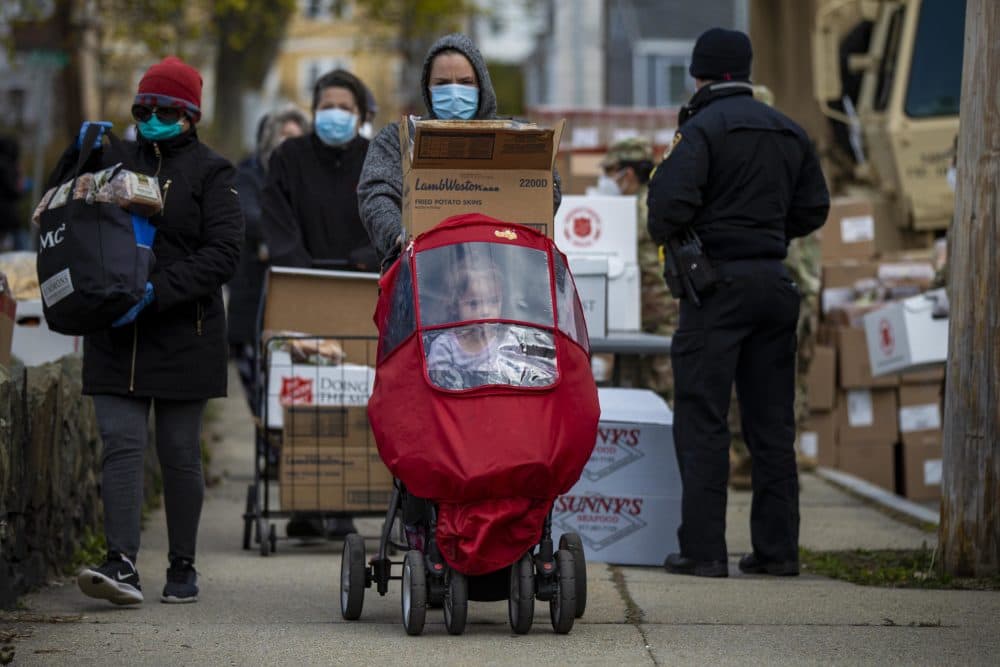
x: 296, y: 391
x: 599, y: 520
x: 582, y: 227
x: 886, y: 339
x: 615, y: 449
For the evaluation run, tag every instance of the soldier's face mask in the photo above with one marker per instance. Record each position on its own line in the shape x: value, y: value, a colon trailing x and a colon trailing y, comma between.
x: 606, y: 185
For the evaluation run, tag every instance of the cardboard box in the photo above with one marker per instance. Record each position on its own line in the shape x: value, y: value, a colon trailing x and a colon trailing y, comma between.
x: 305, y: 384
x: 872, y: 463
x: 817, y: 441
x: 33, y: 342
x: 591, y: 277
x: 334, y: 498
x: 326, y: 427
x: 905, y: 335
x: 853, y: 361
x: 8, y: 314
x: 920, y: 414
x: 933, y: 373
x: 634, y: 452
x: 839, y: 281
x: 598, y: 225
x: 821, y: 380
x: 302, y: 465
x: 627, y: 528
x: 849, y: 232
x: 623, y: 297
x: 498, y: 168
x: 921, y: 471
x: 867, y: 417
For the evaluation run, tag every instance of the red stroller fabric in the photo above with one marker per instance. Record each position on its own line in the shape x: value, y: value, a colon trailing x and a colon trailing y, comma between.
x: 492, y: 457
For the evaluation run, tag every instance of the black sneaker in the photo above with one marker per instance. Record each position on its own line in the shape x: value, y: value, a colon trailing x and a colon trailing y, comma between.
x: 116, y: 581
x: 678, y: 564
x: 182, y: 582
x: 749, y: 564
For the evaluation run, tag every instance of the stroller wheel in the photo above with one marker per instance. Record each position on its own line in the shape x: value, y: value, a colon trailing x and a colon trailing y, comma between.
x: 521, y: 603
x: 572, y: 543
x: 562, y: 606
x: 456, y: 603
x: 414, y: 592
x: 352, y: 577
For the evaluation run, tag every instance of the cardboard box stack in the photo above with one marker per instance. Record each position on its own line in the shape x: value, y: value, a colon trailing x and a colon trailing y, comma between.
x: 884, y: 427
x: 627, y: 505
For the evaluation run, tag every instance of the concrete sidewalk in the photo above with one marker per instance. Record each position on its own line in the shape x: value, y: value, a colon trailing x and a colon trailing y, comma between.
x: 285, y: 609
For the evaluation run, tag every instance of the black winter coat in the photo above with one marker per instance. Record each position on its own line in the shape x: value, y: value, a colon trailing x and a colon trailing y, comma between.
x: 245, y: 288
x: 742, y: 174
x: 311, y: 204
x: 176, y: 349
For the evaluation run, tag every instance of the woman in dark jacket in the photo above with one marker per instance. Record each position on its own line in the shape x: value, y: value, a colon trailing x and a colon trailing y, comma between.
x: 245, y: 287
x: 169, y: 351
x: 310, y: 198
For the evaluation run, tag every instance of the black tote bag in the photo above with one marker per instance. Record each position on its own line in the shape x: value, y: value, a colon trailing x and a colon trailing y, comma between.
x: 93, y: 258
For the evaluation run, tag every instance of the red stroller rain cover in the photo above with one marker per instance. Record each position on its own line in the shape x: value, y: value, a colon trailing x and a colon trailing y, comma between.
x: 484, y: 401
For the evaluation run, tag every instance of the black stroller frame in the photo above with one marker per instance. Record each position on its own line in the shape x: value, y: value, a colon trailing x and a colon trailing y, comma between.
x: 558, y: 577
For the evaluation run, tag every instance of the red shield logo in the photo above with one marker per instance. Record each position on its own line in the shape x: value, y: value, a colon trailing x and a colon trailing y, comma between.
x: 582, y: 227
x: 296, y: 391
x: 886, y: 339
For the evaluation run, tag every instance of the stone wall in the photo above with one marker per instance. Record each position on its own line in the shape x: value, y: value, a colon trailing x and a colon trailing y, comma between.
x: 49, y: 473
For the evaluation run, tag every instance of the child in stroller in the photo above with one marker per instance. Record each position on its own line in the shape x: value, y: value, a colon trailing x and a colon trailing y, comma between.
x: 485, y: 410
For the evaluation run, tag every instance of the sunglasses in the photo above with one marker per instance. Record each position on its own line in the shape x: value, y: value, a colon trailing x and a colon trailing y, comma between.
x: 168, y: 115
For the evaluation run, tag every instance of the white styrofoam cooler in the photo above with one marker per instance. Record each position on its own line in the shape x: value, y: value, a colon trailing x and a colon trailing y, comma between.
x: 626, y: 506
x: 591, y: 277
x: 33, y: 342
x: 905, y: 335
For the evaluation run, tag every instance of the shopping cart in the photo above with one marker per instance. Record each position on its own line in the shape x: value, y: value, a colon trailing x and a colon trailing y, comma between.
x: 314, y: 455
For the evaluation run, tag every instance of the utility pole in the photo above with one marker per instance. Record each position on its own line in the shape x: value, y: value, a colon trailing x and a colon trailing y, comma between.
x: 969, y: 534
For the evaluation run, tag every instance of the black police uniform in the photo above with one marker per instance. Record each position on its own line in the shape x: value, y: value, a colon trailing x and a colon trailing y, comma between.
x: 746, y: 178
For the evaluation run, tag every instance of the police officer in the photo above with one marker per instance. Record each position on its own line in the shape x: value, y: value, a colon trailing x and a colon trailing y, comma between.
x: 745, y: 178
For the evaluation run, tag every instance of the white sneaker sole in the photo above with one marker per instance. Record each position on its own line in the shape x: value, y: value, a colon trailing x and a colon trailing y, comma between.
x: 172, y: 599
x: 96, y: 585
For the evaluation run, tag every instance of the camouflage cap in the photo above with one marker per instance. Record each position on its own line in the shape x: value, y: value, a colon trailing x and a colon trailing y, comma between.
x: 633, y: 149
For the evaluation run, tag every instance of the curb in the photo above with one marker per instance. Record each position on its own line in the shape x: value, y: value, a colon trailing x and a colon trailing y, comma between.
x: 878, y: 495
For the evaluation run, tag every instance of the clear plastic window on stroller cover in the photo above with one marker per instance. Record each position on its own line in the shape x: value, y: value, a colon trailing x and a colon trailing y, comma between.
x: 487, y: 316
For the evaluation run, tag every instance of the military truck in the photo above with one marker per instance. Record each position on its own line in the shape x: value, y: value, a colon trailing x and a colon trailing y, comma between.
x: 879, y: 95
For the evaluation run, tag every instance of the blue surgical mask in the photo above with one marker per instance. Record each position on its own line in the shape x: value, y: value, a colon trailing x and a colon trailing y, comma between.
x: 454, y: 100
x: 155, y: 130
x: 335, y: 127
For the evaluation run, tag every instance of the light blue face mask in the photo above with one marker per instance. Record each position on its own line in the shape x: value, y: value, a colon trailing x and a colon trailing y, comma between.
x: 155, y: 130
x: 335, y: 127
x: 454, y: 101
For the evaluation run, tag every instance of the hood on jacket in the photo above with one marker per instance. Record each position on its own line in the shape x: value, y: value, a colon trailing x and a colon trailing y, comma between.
x: 464, y: 45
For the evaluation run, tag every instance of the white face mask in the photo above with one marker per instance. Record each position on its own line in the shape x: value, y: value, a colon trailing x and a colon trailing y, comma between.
x: 606, y: 185
x: 367, y: 131
x: 952, y: 178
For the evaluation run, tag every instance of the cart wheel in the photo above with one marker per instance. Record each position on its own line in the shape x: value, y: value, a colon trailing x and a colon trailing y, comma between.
x: 262, y: 533
x: 521, y: 603
x: 562, y: 606
x: 456, y: 603
x: 272, y: 539
x: 249, y: 514
x: 572, y: 543
x: 414, y: 592
x: 352, y: 577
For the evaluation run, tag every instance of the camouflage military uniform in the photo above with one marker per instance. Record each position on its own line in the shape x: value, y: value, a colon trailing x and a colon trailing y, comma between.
x: 659, y: 311
x: 803, y: 263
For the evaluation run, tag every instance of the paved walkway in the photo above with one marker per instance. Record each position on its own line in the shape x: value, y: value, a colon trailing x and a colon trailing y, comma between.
x: 285, y: 609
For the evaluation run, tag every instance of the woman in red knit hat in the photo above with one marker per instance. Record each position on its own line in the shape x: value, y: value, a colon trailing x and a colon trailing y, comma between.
x: 169, y: 351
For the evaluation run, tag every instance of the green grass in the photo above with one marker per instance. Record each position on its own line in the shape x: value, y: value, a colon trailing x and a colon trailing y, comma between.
x: 913, y: 568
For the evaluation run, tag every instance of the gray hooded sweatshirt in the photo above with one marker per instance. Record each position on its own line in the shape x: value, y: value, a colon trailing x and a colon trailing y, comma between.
x: 380, y: 190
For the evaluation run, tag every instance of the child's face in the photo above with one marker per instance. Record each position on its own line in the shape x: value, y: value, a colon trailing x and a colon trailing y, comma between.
x: 481, y: 299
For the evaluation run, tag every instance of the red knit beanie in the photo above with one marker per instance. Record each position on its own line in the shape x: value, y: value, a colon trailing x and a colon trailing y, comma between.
x: 172, y: 82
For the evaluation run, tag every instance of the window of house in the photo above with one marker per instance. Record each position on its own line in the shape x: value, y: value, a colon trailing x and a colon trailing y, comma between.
x: 660, y: 73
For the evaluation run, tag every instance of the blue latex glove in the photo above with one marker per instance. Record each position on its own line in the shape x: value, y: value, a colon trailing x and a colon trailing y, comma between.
x: 104, y: 125
x: 134, y: 311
